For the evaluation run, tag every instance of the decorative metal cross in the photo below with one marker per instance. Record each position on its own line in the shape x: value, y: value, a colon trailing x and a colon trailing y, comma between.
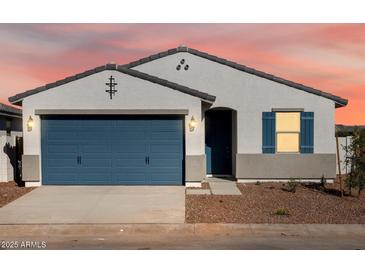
x: 111, y: 85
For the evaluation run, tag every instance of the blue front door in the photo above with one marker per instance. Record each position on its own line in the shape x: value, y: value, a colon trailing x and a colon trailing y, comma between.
x: 139, y: 150
x: 218, y: 142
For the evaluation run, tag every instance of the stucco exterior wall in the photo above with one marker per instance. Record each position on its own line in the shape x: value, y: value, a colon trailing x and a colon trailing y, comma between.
x: 89, y: 94
x: 249, y: 95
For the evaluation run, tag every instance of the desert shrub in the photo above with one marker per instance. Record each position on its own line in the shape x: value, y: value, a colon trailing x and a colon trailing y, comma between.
x: 292, y: 185
x: 323, y: 181
x: 282, y: 211
x: 258, y: 183
x: 355, y: 158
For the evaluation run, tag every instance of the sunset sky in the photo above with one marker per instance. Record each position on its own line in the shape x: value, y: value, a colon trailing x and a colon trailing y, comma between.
x: 329, y: 57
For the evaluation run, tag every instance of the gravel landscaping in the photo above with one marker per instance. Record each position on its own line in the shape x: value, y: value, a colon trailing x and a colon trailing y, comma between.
x: 271, y: 203
x: 11, y: 191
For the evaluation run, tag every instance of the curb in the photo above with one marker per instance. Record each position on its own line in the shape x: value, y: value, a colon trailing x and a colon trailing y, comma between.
x: 256, y: 230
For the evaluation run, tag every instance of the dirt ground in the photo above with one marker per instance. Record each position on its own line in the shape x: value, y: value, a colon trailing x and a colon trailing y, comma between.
x: 260, y: 203
x: 10, y: 191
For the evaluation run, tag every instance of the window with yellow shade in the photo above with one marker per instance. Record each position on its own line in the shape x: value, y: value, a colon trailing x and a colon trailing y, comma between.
x: 287, y: 131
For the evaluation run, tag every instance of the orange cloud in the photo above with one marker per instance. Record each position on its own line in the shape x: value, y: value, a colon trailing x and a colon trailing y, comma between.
x: 330, y: 57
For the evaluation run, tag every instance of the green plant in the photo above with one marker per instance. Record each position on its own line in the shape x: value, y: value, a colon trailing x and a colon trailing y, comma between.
x: 323, y: 181
x: 355, y: 158
x: 282, y: 212
x: 258, y: 183
x: 292, y: 185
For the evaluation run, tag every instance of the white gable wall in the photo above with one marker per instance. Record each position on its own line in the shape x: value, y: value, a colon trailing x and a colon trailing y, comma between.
x: 89, y: 94
x: 250, y: 95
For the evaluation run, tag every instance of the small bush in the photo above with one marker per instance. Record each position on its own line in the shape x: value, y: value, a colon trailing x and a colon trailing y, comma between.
x: 292, y: 185
x: 355, y: 158
x: 258, y: 183
x: 323, y: 181
x: 282, y: 212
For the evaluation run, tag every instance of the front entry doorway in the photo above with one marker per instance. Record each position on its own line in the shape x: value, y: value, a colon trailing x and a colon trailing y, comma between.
x: 218, y: 141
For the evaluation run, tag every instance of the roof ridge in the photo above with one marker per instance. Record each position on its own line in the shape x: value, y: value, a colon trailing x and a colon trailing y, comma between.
x: 205, y: 96
x: 339, y: 101
x: 166, y: 83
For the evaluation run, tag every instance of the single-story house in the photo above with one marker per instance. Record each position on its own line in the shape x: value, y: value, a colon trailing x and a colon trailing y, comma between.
x: 10, y: 129
x: 175, y: 118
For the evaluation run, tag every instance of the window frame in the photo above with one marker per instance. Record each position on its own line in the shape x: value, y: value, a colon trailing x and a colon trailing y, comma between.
x: 290, y: 132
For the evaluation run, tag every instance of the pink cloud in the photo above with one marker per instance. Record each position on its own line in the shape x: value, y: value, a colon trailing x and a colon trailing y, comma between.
x: 330, y: 57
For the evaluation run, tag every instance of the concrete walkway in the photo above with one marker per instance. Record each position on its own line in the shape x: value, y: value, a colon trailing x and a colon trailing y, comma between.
x: 189, y: 236
x: 223, y: 186
x: 97, y: 204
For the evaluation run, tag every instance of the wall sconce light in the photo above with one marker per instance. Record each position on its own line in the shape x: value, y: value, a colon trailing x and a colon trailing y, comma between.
x: 30, y: 123
x: 192, y: 124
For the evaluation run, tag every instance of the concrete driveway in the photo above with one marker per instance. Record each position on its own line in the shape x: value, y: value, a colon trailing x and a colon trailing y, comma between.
x: 97, y: 204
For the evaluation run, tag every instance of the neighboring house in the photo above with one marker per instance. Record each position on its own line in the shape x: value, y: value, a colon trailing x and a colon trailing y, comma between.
x: 344, y: 134
x: 174, y: 118
x: 10, y: 128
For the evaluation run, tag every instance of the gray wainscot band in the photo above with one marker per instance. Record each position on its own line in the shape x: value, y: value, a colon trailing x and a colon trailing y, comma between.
x: 285, y: 166
x: 30, y: 168
x: 194, y: 168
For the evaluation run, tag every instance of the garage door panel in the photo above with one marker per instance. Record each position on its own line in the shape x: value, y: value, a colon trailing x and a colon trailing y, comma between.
x: 168, y: 176
x: 61, y: 175
x: 130, y: 147
x: 172, y: 148
x: 92, y: 122
x: 96, y: 163
x: 95, y: 175
x: 166, y: 136
x: 62, y: 148
x: 64, y: 161
x: 133, y: 162
x: 130, y: 132
x: 97, y: 134
x: 61, y: 135
x: 95, y: 148
x: 166, y: 160
x: 113, y: 150
x: 130, y: 176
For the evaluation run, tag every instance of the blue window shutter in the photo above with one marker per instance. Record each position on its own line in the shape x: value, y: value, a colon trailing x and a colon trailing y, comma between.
x: 268, y: 132
x: 306, y: 132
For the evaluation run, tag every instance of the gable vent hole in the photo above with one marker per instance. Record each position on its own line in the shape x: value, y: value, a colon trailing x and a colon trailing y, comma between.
x: 186, y: 67
x: 182, y: 61
x: 178, y: 67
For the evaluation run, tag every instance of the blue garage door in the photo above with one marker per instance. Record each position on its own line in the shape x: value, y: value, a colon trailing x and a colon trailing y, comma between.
x: 88, y: 150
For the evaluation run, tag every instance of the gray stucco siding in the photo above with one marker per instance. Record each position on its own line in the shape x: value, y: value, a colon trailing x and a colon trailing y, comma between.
x: 195, y: 168
x: 249, y: 95
x: 285, y: 166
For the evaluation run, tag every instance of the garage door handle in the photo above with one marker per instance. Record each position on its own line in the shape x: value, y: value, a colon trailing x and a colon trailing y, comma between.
x: 147, y: 160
